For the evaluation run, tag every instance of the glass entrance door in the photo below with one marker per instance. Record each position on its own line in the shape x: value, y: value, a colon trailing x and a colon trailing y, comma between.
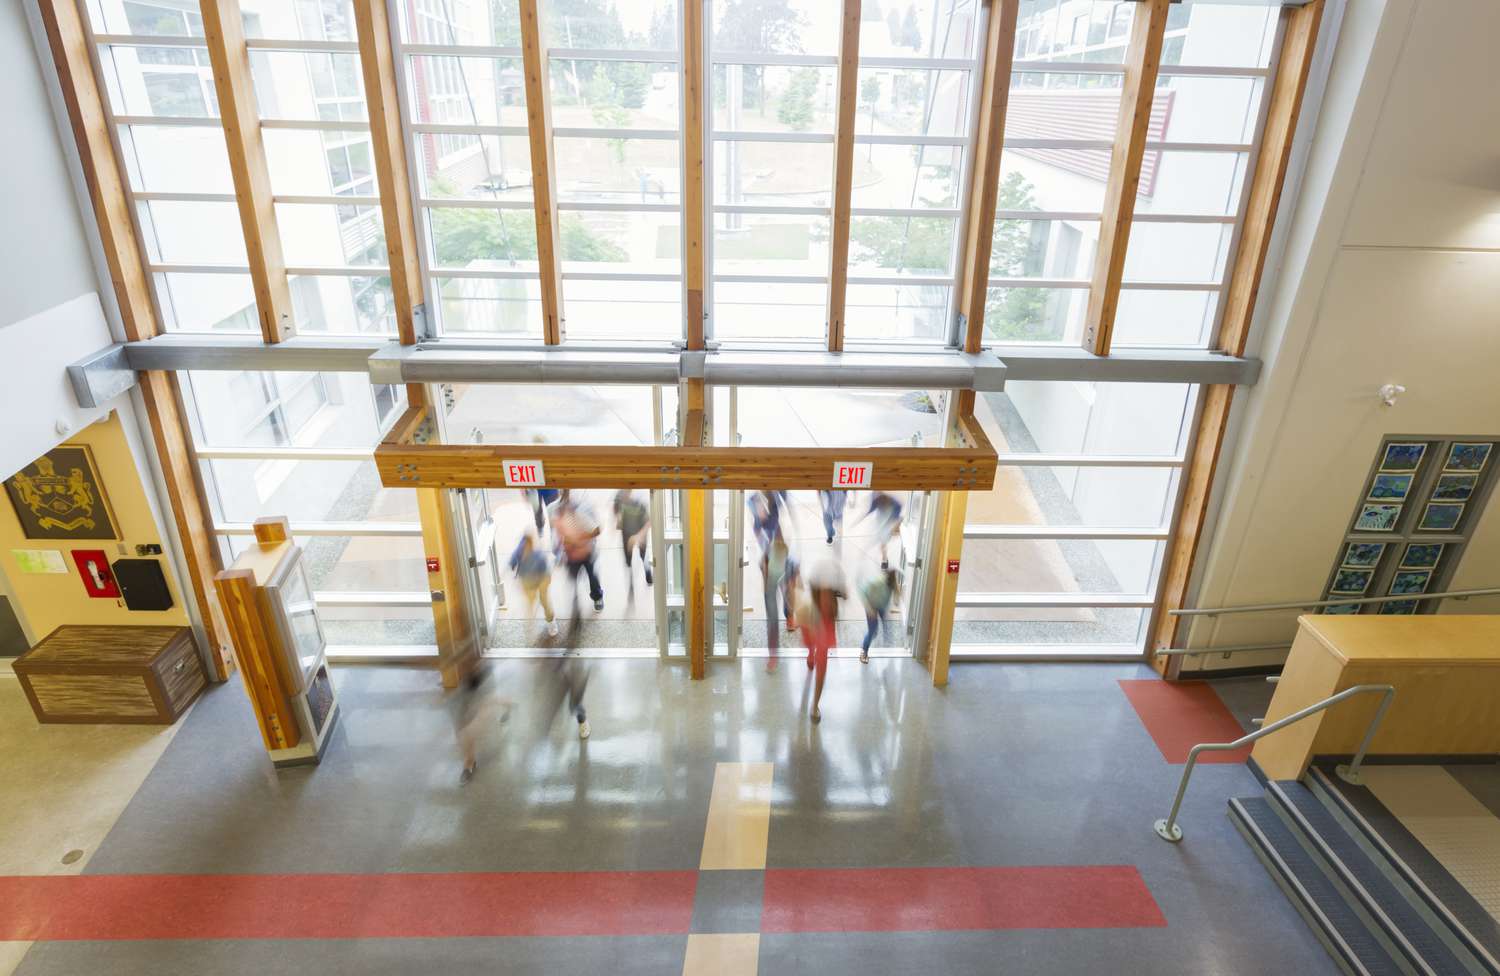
x: 873, y: 546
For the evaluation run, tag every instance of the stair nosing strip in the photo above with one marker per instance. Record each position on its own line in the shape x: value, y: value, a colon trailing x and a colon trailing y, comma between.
x: 1346, y: 876
x: 1434, y: 903
x: 1303, y: 895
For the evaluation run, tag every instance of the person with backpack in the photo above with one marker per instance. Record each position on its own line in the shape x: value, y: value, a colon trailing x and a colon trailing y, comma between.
x: 633, y: 517
x: 533, y: 569
x: 877, y: 594
x: 765, y: 520
x: 577, y: 533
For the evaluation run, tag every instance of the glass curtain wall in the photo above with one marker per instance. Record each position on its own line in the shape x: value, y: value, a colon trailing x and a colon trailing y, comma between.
x: 305, y: 69
x: 614, y: 84
x: 298, y: 445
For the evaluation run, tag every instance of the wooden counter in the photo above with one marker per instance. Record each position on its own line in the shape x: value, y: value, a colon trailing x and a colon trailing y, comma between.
x: 1445, y: 668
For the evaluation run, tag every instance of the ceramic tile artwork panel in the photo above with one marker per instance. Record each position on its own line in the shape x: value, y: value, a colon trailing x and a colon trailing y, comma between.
x: 1441, y: 479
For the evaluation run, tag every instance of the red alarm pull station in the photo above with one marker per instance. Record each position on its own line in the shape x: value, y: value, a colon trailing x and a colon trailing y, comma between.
x: 432, y: 564
x: 93, y: 566
x: 953, y: 565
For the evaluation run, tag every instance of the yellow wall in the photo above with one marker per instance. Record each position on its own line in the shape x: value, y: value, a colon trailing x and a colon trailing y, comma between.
x: 47, y: 601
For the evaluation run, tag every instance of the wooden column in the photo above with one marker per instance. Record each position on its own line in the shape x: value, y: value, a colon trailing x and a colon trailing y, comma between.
x: 224, y: 32
x: 994, y: 97
x: 69, y: 44
x: 1299, y: 43
x: 695, y: 205
x: 543, y: 172
x: 843, y: 173
x: 1142, y: 59
x: 453, y: 622
x: 697, y: 541
x: 403, y: 249
x: 973, y: 289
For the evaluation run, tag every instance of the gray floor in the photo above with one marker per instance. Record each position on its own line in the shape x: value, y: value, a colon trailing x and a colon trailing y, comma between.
x: 1011, y: 765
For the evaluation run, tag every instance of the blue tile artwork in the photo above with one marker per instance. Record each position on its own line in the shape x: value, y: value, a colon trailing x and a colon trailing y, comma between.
x: 1454, y: 487
x: 1422, y: 555
x: 1377, y: 518
x: 1390, y: 486
x: 1342, y: 608
x: 1411, y: 581
x: 1467, y: 457
x: 1363, y: 553
x: 1351, y: 580
x: 1403, y: 456
x: 1440, y: 516
x: 1399, y: 606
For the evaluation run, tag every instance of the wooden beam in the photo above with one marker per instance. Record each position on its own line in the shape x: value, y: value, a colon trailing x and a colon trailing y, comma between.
x: 543, y: 172
x: 570, y: 466
x: 947, y: 550
x: 843, y: 173
x: 694, y: 204
x: 994, y: 97
x: 380, y: 68
x: 224, y: 32
x: 1299, y: 43
x: 68, y: 41
x: 697, y: 540
x: 453, y: 622
x: 1142, y: 60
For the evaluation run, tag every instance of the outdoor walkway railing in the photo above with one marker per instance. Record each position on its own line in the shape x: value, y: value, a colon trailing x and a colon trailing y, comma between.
x: 1168, y: 830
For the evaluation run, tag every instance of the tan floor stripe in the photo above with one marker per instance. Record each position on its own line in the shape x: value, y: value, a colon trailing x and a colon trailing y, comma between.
x: 739, y: 818
x: 1462, y: 833
x: 722, y: 955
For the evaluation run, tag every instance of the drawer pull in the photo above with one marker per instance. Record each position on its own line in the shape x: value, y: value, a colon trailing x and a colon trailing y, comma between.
x: 180, y: 665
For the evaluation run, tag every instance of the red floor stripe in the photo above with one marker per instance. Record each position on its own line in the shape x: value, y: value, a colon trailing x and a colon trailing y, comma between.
x: 346, y: 906
x: 1179, y: 715
x: 936, y: 899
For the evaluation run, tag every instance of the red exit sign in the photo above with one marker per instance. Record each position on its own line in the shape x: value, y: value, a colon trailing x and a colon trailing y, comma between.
x: 524, y: 474
x: 852, y: 474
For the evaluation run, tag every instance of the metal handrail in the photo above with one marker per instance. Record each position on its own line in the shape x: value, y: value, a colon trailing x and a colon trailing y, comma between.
x: 1226, y: 651
x: 1313, y: 604
x: 1169, y: 831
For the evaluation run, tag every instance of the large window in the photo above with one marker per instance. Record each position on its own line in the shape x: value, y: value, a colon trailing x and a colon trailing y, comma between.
x: 1063, y: 555
x: 298, y: 445
x: 615, y: 89
x: 1061, y: 121
x: 306, y: 73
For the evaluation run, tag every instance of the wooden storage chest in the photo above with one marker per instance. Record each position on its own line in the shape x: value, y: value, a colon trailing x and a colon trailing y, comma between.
x: 106, y: 675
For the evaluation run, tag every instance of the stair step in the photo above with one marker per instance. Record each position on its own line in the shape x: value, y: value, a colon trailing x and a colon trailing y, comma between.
x: 1377, y: 893
x: 1444, y: 898
x: 1314, y: 894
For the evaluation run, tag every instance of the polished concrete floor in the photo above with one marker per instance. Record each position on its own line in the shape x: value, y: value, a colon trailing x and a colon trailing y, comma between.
x: 1016, y: 782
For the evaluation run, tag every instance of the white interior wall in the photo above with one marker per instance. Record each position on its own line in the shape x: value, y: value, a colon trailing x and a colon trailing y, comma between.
x: 1391, y: 274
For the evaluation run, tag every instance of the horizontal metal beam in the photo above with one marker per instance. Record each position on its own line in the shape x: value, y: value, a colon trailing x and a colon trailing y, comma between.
x: 105, y: 374
x: 1127, y: 365
x: 302, y: 353
x: 433, y: 363
x: 99, y: 378
x: 947, y: 370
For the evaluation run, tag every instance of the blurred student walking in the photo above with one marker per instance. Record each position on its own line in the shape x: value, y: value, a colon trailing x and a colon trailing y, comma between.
x: 819, y: 622
x: 633, y: 517
x: 765, y: 517
x: 475, y: 709
x: 832, y: 503
x: 577, y: 532
x: 877, y: 594
x: 533, y: 568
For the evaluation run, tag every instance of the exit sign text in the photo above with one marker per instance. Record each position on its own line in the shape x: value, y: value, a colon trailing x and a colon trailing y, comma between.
x: 852, y: 474
x: 524, y: 474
